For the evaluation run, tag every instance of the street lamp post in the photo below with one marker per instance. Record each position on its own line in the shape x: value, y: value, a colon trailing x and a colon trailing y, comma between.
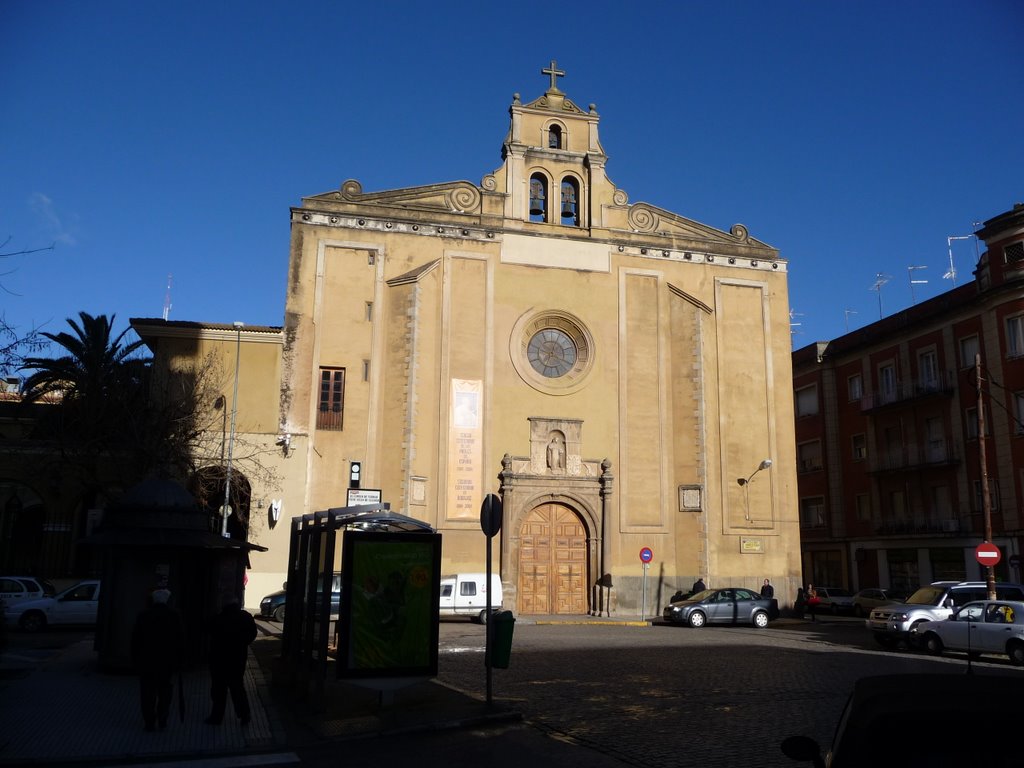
x: 745, y: 481
x: 225, y: 510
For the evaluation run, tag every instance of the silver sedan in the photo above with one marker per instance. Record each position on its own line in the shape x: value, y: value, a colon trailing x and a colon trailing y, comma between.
x: 731, y: 605
x: 984, y: 626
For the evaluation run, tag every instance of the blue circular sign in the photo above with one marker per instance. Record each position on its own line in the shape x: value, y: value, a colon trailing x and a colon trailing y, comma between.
x: 646, y: 555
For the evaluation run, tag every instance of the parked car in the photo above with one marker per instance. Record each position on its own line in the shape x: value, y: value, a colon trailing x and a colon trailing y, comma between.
x: 273, y: 605
x: 834, y: 599
x: 14, y: 589
x: 873, y: 597
x: 895, y: 717
x: 891, y: 624
x: 731, y: 605
x: 75, y: 605
x: 987, y: 626
x: 465, y: 594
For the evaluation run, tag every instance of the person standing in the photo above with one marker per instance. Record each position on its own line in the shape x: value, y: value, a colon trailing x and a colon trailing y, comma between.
x: 157, y: 646
x: 767, y: 590
x: 698, y: 586
x: 811, y: 596
x: 231, y: 632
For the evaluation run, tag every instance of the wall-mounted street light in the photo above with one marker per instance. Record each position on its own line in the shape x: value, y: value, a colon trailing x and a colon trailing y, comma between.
x: 225, y: 510
x: 745, y: 481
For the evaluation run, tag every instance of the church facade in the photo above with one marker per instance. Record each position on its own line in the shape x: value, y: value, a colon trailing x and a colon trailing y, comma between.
x: 609, y: 369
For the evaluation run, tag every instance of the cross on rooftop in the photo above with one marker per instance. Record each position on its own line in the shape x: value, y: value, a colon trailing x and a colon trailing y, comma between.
x: 554, y: 73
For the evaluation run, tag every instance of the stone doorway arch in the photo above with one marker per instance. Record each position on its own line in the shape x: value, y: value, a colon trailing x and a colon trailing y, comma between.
x: 553, y: 561
x: 571, y: 504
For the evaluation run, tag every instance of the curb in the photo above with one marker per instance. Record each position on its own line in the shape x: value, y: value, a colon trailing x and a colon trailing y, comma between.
x: 591, y: 622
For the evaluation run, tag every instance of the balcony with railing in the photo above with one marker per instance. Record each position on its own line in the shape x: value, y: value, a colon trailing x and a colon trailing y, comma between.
x: 943, y: 384
x: 938, y: 453
x: 804, y: 466
x: 929, y: 525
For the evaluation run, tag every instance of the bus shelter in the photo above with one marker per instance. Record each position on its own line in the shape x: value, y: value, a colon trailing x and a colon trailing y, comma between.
x: 314, y: 611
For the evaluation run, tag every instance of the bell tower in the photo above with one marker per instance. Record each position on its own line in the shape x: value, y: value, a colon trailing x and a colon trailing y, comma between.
x: 554, y: 170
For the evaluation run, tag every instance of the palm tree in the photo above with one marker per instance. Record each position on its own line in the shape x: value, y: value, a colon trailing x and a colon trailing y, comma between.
x: 95, y: 368
x: 97, y: 394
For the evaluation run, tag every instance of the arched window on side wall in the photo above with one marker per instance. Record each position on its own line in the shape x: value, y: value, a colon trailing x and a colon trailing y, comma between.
x: 570, y: 202
x: 538, y: 198
x: 555, y: 137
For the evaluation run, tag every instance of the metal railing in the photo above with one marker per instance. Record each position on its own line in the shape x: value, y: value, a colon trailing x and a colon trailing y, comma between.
x: 911, y: 389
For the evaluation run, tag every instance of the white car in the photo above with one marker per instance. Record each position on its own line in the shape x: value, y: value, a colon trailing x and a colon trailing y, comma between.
x: 984, y: 626
x: 75, y: 605
x: 15, y: 589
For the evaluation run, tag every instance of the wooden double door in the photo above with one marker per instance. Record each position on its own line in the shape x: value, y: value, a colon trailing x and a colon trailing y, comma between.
x: 553, y: 562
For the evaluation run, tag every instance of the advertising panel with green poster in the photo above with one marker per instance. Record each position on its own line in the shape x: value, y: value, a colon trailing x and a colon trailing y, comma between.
x: 389, y: 615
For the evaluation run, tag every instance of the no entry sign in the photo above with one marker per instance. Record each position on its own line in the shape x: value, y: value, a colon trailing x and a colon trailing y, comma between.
x: 988, y: 553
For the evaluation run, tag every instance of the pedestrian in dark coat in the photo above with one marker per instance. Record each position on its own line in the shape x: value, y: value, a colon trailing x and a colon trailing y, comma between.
x: 158, y: 642
x: 231, y: 632
x: 698, y: 586
x: 767, y: 590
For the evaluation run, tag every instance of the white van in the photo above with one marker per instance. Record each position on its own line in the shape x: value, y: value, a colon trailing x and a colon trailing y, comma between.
x: 465, y: 594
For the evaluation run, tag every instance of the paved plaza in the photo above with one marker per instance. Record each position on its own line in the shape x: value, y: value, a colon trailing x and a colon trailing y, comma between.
x: 579, y: 693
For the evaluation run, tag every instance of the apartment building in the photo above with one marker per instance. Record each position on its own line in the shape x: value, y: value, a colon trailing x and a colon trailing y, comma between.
x: 889, y: 448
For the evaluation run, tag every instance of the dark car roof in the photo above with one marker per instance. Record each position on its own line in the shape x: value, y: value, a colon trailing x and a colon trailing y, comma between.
x: 924, y: 704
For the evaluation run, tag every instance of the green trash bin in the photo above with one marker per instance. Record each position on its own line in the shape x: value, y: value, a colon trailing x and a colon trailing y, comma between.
x: 504, y: 623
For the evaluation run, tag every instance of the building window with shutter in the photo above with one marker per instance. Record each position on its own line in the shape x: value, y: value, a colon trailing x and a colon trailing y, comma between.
x: 887, y: 383
x: 968, y: 351
x: 863, y: 504
x: 855, y: 387
x: 812, y: 512
x: 1013, y: 254
x: 859, y: 448
x: 807, y: 401
x: 331, y: 402
x: 993, y: 495
x: 809, y: 456
x: 1015, y: 336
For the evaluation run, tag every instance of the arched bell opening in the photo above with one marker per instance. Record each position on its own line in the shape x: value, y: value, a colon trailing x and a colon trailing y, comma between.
x: 570, y: 202
x: 538, y: 198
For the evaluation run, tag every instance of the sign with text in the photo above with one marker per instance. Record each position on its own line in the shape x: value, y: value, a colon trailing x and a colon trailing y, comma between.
x: 751, y: 545
x: 465, y: 450
x: 358, y: 496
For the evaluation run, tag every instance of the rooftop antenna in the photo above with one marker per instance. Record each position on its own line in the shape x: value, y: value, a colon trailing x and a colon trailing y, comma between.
x: 793, y: 326
x: 849, y: 312
x: 880, y: 280
x: 167, y: 299
x: 951, y: 272
x: 913, y: 282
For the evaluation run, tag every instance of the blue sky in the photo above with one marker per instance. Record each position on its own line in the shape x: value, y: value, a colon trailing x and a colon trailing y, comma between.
x: 147, y: 139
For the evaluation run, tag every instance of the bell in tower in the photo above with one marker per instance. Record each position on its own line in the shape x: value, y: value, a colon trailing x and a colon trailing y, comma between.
x: 537, y: 197
x: 568, y: 200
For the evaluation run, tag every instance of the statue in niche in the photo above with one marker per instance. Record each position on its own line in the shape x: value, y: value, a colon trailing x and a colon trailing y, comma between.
x: 556, y: 453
